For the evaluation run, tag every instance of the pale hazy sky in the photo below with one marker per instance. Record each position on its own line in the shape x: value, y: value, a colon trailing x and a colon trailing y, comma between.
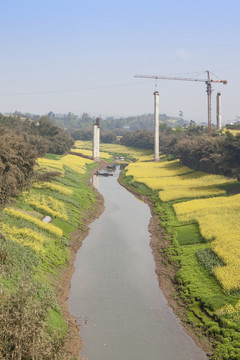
x: 80, y: 56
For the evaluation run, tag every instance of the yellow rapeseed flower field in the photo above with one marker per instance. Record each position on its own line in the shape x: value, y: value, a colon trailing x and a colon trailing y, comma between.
x: 42, y: 225
x: 219, y: 222
x: 142, y: 154
x: 232, y: 131
x: 50, y: 165
x: 75, y: 163
x: 47, y: 204
x: 176, y: 181
x: 102, y: 155
x: 58, y: 188
x: 125, y: 150
x: 24, y: 236
x: 81, y: 144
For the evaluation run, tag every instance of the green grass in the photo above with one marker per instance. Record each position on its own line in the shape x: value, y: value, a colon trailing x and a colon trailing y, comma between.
x: 189, y: 234
x: 64, y: 225
x: 198, y: 279
x: 56, y: 323
x: 198, y: 289
x: 53, y: 156
x: 209, y: 259
x: 139, y: 187
x: 43, y: 268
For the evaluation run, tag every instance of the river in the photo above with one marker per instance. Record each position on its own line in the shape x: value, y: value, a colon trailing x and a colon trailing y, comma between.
x: 114, y: 293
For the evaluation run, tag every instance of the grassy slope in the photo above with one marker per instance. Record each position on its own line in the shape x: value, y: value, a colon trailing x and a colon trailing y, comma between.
x: 30, y: 270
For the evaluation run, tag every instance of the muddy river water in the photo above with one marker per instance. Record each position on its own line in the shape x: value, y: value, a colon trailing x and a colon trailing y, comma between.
x: 123, y: 314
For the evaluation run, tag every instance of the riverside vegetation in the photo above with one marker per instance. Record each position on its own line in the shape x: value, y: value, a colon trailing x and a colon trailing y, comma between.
x: 199, y: 213
x: 201, y: 221
x: 32, y: 253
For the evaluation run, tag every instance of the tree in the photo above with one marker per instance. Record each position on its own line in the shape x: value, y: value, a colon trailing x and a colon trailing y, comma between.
x: 17, y: 159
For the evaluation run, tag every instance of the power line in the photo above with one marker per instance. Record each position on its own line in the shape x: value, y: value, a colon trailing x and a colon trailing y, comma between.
x: 70, y: 90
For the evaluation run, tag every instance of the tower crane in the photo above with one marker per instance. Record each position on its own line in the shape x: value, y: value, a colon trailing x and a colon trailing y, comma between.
x: 207, y: 81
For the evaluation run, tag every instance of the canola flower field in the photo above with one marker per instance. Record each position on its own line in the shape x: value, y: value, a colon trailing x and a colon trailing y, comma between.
x: 176, y: 181
x: 45, y: 199
x: 219, y: 223
x: 74, y: 163
x: 86, y: 152
x: 56, y: 188
x: 36, y: 250
x: 107, y: 150
x: 232, y: 131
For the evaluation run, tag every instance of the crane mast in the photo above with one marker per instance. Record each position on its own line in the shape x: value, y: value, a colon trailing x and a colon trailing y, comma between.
x: 207, y: 81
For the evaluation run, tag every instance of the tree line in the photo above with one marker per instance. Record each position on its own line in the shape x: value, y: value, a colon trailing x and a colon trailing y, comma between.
x: 216, y: 153
x: 72, y: 122
x: 21, y: 143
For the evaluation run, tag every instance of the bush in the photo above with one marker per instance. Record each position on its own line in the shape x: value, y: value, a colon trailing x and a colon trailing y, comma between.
x: 23, y: 326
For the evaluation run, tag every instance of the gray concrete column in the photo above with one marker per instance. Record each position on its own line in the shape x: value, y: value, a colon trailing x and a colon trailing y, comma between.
x: 156, y: 126
x: 98, y: 142
x: 95, y: 142
x: 219, y: 112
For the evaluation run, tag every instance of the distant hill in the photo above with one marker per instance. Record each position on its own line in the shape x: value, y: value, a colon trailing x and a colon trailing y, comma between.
x: 142, y: 122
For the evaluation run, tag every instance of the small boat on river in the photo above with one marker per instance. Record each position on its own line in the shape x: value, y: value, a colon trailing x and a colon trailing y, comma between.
x: 103, y: 173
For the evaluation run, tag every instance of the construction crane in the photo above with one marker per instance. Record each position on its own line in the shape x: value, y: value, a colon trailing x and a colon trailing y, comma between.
x: 207, y: 81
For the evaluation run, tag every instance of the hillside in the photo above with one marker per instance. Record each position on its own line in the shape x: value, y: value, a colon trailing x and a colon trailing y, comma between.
x: 33, y: 254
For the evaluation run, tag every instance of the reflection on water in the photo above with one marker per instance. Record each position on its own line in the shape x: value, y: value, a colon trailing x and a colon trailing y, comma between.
x: 95, y: 181
x: 115, y: 294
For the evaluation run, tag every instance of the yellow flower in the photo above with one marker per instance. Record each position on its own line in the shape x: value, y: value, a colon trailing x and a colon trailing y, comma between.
x: 219, y: 222
x: 176, y: 181
x: 47, y: 227
x: 58, y: 188
x: 24, y: 236
x: 47, y: 204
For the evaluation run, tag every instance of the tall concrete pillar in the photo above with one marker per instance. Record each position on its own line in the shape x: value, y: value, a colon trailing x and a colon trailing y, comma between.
x: 98, y: 137
x: 156, y: 126
x: 219, y: 112
x: 96, y: 140
x: 94, y: 156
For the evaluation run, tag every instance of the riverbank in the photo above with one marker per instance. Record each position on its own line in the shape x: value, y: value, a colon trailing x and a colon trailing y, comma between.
x: 166, y: 271
x: 202, y: 220
x: 34, y: 256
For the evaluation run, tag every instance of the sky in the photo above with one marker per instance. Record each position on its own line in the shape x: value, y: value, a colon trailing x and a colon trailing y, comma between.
x: 81, y: 56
